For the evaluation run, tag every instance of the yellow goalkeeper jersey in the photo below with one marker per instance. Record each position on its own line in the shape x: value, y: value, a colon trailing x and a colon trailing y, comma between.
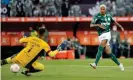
x: 32, y: 50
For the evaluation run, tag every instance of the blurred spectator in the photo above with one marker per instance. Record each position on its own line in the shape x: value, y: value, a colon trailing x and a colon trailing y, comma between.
x: 109, y: 4
x: 50, y: 9
x: 128, y: 7
x: 28, y: 8
x: 26, y: 34
x: 73, y: 43
x: 33, y: 31
x: 66, y: 44
x: 125, y: 48
x: 75, y: 10
x: 65, y: 8
x: 97, y: 6
x: 93, y: 11
x: 12, y: 6
x: 69, y: 44
x: 113, y: 12
x: 115, y: 40
x: 58, y: 4
x: 79, y: 50
x: 120, y: 8
x: 36, y: 11
x: 20, y: 8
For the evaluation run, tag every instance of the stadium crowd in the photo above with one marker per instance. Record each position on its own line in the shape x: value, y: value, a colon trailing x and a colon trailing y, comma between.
x: 115, y: 8
x: 38, y: 8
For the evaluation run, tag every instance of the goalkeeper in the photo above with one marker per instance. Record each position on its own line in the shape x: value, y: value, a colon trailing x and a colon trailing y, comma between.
x: 28, y: 56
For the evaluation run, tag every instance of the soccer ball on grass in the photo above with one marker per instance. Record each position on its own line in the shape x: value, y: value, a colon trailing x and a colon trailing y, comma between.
x: 14, y: 68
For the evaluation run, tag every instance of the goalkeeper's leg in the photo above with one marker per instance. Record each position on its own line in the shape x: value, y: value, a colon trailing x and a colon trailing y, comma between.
x: 35, y: 67
x: 7, y: 60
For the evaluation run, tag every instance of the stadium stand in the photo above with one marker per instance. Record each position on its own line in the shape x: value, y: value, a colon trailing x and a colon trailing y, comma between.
x: 39, y: 8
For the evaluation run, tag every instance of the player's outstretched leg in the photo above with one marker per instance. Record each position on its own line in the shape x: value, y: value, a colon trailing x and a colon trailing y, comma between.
x: 98, y: 56
x: 113, y: 57
x: 99, y: 53
x: 6, y: 61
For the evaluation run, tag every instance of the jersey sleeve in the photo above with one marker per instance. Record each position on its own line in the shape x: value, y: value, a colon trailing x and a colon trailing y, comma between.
x: 23, y: 40
x: 112, y: 20
x: 46, y: 47
x: 94, y: 20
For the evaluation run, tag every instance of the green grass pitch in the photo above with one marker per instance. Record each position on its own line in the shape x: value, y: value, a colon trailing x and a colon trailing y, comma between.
x: 75, y: 70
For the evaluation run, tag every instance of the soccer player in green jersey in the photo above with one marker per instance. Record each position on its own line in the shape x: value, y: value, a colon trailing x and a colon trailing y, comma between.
x: 102, y: 22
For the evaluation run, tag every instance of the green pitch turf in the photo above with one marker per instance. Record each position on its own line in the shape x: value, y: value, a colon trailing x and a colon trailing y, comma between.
x: 75, y: 70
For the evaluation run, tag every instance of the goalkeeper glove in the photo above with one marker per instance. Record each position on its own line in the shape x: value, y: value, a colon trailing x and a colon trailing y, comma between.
x: 53, y: 53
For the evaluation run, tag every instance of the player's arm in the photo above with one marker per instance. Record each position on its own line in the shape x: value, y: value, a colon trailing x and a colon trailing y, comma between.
x: 59, y: 48
x: 53, y: 53
x: 49, y: 52
x: 116, y: 23
x: 24, y: 41
x: 93, y: 23
x: 99, y: 25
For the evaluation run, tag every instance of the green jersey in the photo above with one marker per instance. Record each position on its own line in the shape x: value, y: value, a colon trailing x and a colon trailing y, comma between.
x: 105, y: 20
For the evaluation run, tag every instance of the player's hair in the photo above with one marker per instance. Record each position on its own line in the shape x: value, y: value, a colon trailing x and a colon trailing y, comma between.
x: 41, y: 31
x: 103, y: 5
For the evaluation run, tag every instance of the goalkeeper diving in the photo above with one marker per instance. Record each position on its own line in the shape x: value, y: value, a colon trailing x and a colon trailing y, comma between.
x: 27, y: 57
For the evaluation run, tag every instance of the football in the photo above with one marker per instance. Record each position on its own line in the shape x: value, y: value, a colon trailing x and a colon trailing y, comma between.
x: 14, y: 68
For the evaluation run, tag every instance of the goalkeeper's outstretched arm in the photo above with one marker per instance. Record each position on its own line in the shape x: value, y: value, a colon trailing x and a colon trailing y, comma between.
x: 59, y: 48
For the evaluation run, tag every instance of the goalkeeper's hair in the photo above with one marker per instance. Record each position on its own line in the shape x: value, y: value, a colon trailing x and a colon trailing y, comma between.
x: 41, y: 31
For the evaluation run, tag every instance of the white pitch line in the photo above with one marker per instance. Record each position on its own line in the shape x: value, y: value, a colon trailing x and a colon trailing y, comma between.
x: 86, y: 66
x: 104, y: 66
